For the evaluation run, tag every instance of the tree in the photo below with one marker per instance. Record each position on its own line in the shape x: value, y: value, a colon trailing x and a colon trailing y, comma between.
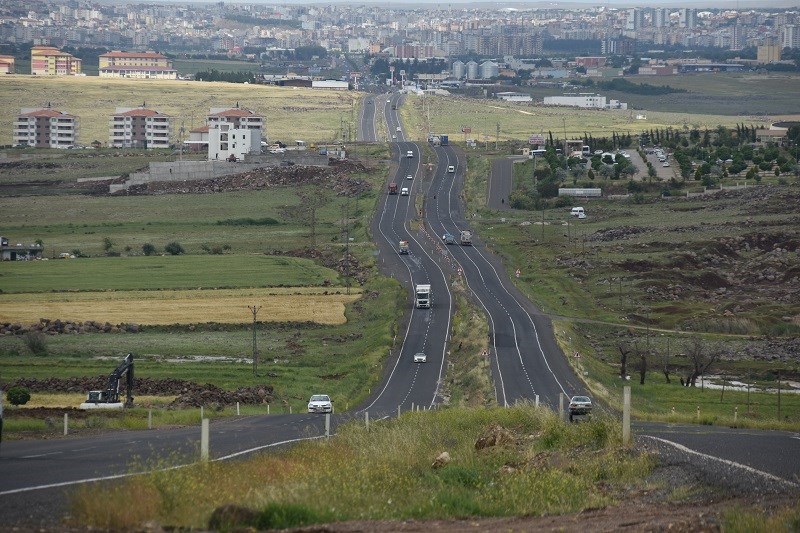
x: 174, y: 248
x: 641, y: 353
x: 149, y: 249
x: 108, y: 245
x: 36, y: 342
x: 18, y: 395
x: 700, y: 358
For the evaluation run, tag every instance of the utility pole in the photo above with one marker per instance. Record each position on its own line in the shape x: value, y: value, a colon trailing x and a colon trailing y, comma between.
x: 497, y: 136
x: 254, y: 309
x: 180, y: 141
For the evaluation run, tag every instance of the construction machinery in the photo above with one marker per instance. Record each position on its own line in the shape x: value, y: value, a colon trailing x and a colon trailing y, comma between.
x: 110, y: 397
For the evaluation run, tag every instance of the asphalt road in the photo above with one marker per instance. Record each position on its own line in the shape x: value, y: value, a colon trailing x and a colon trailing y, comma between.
x: 526, y: 360
x: 501, y: 181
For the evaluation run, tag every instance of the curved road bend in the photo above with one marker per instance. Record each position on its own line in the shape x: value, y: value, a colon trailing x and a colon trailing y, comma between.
x: 526, y: 359
x: 426, y: 330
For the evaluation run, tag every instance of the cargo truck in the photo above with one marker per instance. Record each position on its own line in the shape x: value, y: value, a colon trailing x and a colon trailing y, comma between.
x: 392, y: 188
x: 466, y: 238
x: 423, y: 296
x: 403, y: 247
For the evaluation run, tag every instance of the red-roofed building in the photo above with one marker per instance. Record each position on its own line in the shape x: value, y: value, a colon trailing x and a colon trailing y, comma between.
x: 144, y: 65
x: 139, y: 128
x: 50, y: 61
x: 43, y: 127
x: 7, y: 64
x: 236, y: 116
x: 233, y: 132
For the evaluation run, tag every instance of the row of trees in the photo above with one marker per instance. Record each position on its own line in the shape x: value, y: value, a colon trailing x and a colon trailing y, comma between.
x: 639, y: 352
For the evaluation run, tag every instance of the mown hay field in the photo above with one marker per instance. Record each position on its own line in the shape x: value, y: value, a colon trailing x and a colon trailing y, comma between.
x: 228, y: 306
x: 290, y: 113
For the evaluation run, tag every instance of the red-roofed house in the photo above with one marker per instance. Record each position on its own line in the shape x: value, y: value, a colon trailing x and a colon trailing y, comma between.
x: 145, y: 65
x: 139, y: 128
x: 45, y: 128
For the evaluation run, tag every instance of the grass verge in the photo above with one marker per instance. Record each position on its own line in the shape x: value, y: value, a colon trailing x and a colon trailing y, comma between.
x: 386, y: 473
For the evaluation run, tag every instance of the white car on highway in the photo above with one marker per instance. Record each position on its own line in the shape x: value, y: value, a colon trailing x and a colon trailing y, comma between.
x: 420, y: 357
x: 320, y: 403
x: 404, y: 191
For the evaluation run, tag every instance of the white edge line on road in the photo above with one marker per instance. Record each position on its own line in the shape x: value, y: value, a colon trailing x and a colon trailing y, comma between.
x: 750, y: 469
x: 119, y: 476
x: 40, y: 455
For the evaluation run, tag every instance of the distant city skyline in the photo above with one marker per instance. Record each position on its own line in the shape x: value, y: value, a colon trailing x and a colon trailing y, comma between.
x: 567, y: 4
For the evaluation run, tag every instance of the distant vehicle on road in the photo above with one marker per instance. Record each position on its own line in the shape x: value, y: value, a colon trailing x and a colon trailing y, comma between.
x: 392, y: 188
x: 466, y: 238
x: 410, y: 154
x: 420, y: 357
x: 404, y: 191
x: 422, y: 296
x: 410, y: 177
x: 320, y: 403
x: 579, y: 406
x: 451, y: 169
x: 449, y: 238
x: 577, y: 212
x: 403, y: 247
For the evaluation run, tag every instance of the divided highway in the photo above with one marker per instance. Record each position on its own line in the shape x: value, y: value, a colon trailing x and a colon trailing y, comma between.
x: 526, y: 362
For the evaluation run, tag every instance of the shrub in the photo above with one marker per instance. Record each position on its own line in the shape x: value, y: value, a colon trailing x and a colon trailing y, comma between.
x: 174, y: 248
x: 36, y: 342
x: 149, y: 249
x: 18, y: 395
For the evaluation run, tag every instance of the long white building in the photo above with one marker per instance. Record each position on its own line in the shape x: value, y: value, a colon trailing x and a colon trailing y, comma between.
x: 584, y: 100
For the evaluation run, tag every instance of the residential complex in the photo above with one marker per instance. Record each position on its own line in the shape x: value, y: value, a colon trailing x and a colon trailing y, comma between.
x: 147, y: 65
x: 50, y: 61
x: 45, y: 128
x: 139, y: 128
x: 7, y: 64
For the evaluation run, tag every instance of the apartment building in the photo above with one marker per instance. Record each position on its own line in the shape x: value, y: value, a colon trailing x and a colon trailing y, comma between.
x: 139, y: 128
x: 45, y: 128
x: 235, y: 116
x: 50, y: 61
x: 233, y: 133
x: 141, y: 65
x: 7, y: 64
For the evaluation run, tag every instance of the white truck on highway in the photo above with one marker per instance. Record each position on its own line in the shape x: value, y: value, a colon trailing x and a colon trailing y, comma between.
x: 466, y: 238
x: 422, y: 296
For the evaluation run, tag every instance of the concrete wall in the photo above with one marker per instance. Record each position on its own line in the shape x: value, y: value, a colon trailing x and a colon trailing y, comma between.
x: 203, y: 170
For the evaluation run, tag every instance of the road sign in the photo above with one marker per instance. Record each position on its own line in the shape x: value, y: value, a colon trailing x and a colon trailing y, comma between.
x: 537, y: 138
x: 466, y: 130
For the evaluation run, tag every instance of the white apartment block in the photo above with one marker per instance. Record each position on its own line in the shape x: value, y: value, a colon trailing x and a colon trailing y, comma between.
x: 45, y: 128
x: 139, y: 128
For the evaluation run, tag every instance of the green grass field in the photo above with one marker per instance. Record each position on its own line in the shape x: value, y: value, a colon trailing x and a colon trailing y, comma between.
x: 83, y: 222
x: 291, y: 113
x: 162, y: 272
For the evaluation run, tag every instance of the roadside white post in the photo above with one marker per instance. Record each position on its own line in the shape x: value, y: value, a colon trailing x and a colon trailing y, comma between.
x: 561, y: 405
x: 327, y: 425
x: 366, y: 419
x: 537, y: 400
x: 735, y: 413
x: 412, y: 407
x: 237, y: 408
x: 204, y: 440
x: 626, y: 415
x: 267, y: 408
x: 290, y: 409
x: 201, y: 413
x: 149, y: 419
x: 398, y: 411
x: 66, y: 423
